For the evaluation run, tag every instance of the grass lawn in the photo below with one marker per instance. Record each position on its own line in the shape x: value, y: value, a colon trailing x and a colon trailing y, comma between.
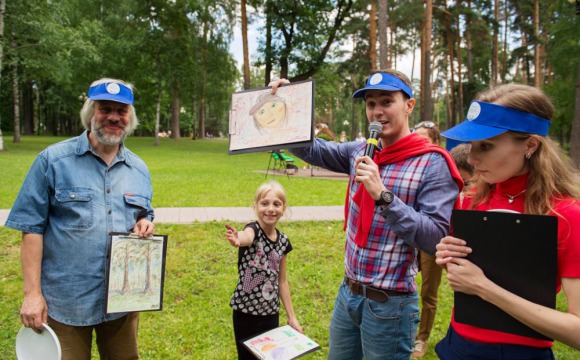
x: 185, y: 173
x: 201, y: 265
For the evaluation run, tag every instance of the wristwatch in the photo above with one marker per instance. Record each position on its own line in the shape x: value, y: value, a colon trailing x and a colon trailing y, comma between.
x: 386, y: 198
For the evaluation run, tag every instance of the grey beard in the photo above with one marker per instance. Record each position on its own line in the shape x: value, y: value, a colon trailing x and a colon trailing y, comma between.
x: 107, y: 140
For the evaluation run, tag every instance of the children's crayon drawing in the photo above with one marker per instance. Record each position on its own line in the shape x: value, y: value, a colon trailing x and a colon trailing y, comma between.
x: 260, y: 120
x: 282, y: 343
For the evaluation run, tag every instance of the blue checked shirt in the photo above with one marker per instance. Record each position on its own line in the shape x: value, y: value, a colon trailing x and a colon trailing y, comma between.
x: 72, y: 198
x: 419, y: 216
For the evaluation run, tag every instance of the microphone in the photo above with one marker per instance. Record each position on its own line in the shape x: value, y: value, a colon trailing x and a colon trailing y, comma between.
x: 375, y: 129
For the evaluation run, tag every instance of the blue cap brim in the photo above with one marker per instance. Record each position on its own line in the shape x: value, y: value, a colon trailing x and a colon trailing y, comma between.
x: 110, y: 97
x: 386, y: 82
x: 472, y: 131
x: 111, y: 91
x: 360, y: 93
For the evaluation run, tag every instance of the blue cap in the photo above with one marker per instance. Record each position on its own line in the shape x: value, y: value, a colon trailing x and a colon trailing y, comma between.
x: 384, y: 81
x: 486, y: 120
x: 112, y: 91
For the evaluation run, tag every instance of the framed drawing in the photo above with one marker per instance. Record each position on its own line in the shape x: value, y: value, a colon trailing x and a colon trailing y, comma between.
x: 262, y: 121
x: 136, y: 273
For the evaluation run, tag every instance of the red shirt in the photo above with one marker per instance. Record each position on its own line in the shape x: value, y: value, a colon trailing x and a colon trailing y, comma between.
x: 568, y: 212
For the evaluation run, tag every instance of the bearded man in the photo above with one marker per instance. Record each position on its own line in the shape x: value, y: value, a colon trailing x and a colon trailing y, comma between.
x: 75, y: 194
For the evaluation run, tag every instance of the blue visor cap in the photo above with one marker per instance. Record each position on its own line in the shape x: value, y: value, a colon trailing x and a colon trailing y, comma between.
x: 486, y: 120
x: 384, y: 81
x: 111, y: 91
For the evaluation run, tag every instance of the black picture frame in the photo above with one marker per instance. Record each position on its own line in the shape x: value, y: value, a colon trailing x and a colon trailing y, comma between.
x: 296, y: 130
x: 135, y: 273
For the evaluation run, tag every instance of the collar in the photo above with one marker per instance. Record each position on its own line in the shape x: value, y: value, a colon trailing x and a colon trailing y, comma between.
x: 513, y: 185
x: 83, y: 146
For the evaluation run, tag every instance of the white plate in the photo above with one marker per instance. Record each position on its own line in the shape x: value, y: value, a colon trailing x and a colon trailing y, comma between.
x: 31, y: 345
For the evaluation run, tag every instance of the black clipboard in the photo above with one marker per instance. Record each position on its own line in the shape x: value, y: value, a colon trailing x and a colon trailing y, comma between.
x: 517, y: 252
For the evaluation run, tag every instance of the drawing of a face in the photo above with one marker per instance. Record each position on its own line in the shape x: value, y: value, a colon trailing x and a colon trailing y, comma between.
x: 271, y: 114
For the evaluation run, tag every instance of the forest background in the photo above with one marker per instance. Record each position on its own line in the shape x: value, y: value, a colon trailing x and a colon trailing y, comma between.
x: 176, y: 52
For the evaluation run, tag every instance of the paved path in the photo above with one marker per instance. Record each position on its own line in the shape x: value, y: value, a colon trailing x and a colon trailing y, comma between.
x: 237, y: 214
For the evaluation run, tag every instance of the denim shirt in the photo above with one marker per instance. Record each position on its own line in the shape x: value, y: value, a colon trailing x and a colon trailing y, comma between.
x: 72, y: 198
x: 418, y: 217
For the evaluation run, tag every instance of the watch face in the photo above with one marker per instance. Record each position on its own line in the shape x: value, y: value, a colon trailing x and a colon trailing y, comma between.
x: 388, y: 196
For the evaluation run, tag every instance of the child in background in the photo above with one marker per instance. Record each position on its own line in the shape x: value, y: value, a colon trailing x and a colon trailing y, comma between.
x: 460, y: 153
x: 262, y: 269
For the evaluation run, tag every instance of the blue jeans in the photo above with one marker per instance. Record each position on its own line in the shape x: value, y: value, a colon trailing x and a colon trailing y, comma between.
x: 454, y: 347
x: 364, y: 327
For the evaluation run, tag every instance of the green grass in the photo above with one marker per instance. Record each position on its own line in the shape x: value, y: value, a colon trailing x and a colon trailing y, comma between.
x: 185, y: 173
x: 201, y: 273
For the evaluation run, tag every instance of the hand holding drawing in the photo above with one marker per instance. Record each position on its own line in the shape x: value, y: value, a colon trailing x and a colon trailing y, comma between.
x: 296, y: 325
x: 276, y: 83
x: 144, y: 228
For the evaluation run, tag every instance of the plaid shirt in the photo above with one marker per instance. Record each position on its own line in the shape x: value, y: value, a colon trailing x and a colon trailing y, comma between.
x: 418, y: 217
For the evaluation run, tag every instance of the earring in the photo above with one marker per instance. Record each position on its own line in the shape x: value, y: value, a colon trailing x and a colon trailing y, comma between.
x: 528, y: 155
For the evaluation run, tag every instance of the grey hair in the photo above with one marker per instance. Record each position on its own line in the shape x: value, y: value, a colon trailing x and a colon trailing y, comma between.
x: 88, y: 109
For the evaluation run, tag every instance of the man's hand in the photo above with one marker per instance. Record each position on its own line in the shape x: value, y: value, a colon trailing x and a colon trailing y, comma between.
x: 276, y: 83
x: 367, y: 173
x: 34, y: 312
x: 144, y: 228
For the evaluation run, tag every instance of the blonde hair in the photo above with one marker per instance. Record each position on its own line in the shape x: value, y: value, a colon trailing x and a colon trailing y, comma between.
x: 265, y: 188
x: 552, y: 175
x: 88, y: 109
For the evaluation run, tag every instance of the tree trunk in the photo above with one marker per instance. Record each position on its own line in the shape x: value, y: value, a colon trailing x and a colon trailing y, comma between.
x: 427, y: 106
x: 538, y: 77
x: 575, y: 137
x: 383, y: 46
x: 468, y: 42
x: 245, y: 45
x: 451, y: 97
x: 373, y: 36
x: 459, y: 66
x: 504, y: 69
x: 495, y: 48
x: 2, y: 10
x: 202, y: 84
x: 28, y: 110
x: 175, y: 130
x: 268, y: 50
x: 16, y: 94
x: 158, y: 111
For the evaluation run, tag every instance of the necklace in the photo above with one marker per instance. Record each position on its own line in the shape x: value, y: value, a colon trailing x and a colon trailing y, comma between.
x: 512, y: 197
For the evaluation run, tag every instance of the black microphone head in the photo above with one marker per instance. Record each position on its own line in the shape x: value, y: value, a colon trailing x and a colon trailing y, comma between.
x: 375, y: 126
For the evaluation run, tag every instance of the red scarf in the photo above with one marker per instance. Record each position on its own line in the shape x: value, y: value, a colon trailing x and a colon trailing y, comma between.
x: 409, y: 146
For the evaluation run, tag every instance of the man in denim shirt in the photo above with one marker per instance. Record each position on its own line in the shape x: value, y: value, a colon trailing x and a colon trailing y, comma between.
x: 397, y: 202
x: 75, y: 194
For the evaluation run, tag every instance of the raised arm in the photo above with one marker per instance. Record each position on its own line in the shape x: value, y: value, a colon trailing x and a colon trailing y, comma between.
x: 240, y: 238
